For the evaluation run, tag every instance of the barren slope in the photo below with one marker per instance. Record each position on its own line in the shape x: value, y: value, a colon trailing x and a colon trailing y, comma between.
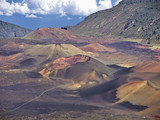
x: 138, y: 19
x: 136, y: 88
x: 83, y: 70
x: 96, y: 47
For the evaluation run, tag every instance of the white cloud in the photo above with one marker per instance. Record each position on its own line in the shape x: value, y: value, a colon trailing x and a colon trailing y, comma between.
x: 118, y: 2
x: 68, y: 18
x: 62, y: 7
x: 79, y: 17
x: 1, y: 13
x: 9, y: 9
x: 105, y: 4
x: 30, y: 16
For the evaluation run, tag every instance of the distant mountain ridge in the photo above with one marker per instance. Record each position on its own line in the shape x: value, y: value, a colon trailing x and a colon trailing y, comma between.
x: 137, y: 1
x: 12, y: 30
x: 138, y: 19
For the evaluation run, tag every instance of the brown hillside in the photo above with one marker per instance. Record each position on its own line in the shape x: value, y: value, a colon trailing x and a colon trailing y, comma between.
x: 14, y: 45
x: 57, y: 35
x: 138, y: 19
x: 42, y: 53
x: 142, y: 94
x: 96, y: 47
x: 51, y: 33
x: 24, y: 55
x: 83, y: 70
x: 9, y: 62
x: 147, y: 67
x: 136, y: 88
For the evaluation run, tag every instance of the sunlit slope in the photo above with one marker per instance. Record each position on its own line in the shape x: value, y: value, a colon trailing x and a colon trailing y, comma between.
x: 83, y: 70
x: 55, y: 35
x: 138, y: 19
x: 42, y: 53
x: 96, y: 47
x: 136, y: 88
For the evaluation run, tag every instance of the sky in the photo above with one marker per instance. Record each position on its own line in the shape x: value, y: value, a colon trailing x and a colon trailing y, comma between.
x: 34, y: 14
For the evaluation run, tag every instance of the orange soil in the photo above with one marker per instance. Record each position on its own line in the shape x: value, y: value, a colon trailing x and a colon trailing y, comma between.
x: 147, y: 67
x: 8, y: 66
x: 12, y: 58
x: 140, y: 93
x: 7, y: 62
x: 16, y: 45
x: 62, y: 63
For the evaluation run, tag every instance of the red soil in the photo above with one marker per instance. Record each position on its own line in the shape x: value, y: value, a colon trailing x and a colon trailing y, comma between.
x: 51, y: 34
x: 62, y: 63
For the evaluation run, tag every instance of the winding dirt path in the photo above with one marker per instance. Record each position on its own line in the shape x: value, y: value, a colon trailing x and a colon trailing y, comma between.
x: 35, y: 98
